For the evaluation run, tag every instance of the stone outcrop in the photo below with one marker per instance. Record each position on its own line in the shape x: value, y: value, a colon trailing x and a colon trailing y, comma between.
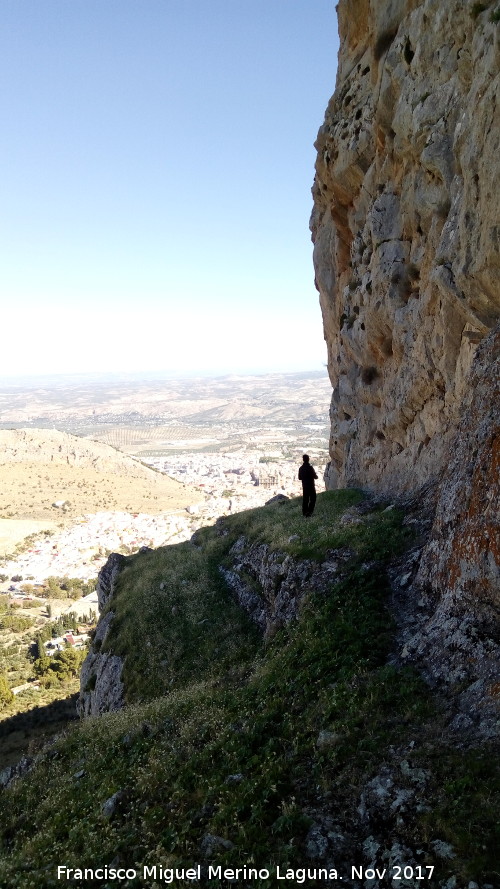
x: 270, y: 585
x: 101, y: 685
x: 458, y: 578
x: 107, y: 579
x: 406, y: 228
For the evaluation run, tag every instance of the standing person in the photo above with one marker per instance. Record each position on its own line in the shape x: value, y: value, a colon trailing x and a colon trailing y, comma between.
x: 307, y: 476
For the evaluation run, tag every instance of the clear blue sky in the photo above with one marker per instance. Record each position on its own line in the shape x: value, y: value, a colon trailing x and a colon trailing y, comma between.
x: 157, y: 159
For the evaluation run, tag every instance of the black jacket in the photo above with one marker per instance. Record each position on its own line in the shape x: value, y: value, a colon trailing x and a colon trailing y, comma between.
x: 307, y: 475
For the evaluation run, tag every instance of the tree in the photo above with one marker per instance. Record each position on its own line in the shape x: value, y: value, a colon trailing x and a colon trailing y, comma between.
x: 67, y: 663
x: 42, y: 664
x: 6, y: 694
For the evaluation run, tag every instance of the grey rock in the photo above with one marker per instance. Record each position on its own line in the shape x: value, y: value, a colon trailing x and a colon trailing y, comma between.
x: 406, y: 238
x: 316, y: 845
x: 110, y: 806
x: 6, y: 776
x: 106, y: 578
x: 211, y: 844
x: 10, y: 773
x: 327, y: 739
x: 101, y: 685
x: 281, y: 581
x: 442, y: 849
x: 234, y: 779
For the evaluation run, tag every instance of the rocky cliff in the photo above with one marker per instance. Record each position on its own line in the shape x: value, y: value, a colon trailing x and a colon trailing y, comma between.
x: 101, y: 675
x: 406, y: 228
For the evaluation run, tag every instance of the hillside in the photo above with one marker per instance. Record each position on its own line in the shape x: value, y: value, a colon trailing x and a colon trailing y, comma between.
x: 285, y: 701
x: 41, y: 467
x: 310, y: 746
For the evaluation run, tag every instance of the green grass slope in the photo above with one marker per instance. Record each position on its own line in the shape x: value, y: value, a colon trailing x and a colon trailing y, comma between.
x: 230, y: 750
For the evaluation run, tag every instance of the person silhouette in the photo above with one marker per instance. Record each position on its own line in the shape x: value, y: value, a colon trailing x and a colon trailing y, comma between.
x: 307, y: 476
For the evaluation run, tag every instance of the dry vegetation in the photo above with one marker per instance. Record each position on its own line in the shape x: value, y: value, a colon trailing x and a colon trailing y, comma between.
x: 29, y: 490
x: 40, y: 467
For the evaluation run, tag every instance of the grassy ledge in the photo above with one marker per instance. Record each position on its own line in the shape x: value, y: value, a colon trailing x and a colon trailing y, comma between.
x: 254, y: 744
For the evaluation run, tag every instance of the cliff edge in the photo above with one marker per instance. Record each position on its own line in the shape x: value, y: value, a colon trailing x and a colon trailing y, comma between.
x: 406, y: 228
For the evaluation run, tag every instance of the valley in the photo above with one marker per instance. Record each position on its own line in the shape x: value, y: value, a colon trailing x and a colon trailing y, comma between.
x: 94, y: 466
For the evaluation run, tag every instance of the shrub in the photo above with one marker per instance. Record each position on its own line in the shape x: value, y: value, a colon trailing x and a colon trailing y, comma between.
x: 15, y: 623
x: 6, y: 694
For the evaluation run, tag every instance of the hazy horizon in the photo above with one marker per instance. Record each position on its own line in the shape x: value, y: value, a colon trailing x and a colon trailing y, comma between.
x: 153, y: 376
x: 158, y: 163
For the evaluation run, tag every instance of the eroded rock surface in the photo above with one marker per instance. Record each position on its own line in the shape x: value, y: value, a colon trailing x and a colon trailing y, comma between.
x: 101, y: 685
x: 406, y: 227
x: 270, y: 585
x: 458, y: 578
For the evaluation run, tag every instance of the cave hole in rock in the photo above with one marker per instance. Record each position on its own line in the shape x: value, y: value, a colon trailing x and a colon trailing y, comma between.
x: 383, y: 43
x: 369, y: 374
x: 408, y: 52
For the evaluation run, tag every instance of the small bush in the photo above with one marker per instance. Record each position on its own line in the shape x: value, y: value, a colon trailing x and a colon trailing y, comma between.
x: 15, y: 623
x: 91, y: 683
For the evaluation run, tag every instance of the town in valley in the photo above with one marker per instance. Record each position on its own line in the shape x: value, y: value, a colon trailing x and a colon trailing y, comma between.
x: 92, y: 465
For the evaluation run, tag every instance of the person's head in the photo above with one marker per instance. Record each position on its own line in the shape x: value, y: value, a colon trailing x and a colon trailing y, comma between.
x: 305, y: 458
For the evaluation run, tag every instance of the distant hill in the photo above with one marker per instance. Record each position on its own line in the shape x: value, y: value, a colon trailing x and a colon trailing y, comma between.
x: 41, y: 467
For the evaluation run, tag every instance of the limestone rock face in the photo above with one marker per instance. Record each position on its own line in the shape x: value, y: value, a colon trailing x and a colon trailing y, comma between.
x: 107, y: 578
x: 270, y: 586
x: 101, y: 685
x: 406, y: 231
x: 459, y: 569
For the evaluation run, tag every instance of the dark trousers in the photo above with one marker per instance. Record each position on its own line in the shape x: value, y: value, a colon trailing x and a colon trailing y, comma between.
x: 308, y: 500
